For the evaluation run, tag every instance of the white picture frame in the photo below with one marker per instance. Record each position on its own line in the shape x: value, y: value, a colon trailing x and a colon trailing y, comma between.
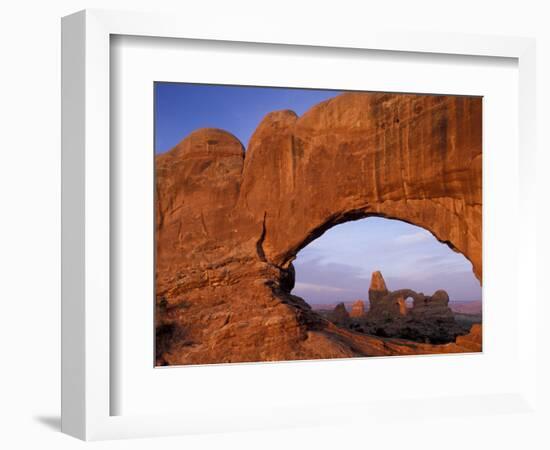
x: 86, y: 219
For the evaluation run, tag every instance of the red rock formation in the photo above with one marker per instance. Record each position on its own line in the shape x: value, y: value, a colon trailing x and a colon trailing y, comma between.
x: 473, y: 341
x: 429, y: 319
x: 229, y: 226
x: 431, y: 308
x: 357, y: 309
x: 340, y: 315
x: 385, y: 305
x: 402, y: 303
x: 377, y: 289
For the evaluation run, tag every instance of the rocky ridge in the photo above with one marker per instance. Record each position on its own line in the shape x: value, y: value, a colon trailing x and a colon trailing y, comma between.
x: 429, y: 319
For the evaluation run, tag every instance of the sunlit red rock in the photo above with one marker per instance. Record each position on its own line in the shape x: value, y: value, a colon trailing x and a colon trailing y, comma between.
x: 473, y: 341
x: 229, y: 224
x: 357, y: 309
x: 429, y: 319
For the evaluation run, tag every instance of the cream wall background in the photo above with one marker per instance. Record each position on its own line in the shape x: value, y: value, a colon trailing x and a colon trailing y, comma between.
x: 30, y: 199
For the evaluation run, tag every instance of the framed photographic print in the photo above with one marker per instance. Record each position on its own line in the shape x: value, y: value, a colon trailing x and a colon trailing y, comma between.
x: 251, y: 216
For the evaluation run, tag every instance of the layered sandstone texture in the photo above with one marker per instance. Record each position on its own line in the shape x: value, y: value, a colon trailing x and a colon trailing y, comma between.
x: 229, y: 223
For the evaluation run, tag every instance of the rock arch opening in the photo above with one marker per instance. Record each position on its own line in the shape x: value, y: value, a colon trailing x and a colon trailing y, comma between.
x: 339, y: 274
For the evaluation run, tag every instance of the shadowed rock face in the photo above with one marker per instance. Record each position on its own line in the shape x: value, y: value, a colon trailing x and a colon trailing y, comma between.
x: 340, y: 315
x: 229, y: 226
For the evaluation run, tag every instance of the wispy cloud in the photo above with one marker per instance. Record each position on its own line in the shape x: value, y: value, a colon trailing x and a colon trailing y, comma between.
x: 317, y: 287
x: 413, y: 238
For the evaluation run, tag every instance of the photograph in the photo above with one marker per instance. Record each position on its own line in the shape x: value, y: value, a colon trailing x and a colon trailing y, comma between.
x: 306, y: 224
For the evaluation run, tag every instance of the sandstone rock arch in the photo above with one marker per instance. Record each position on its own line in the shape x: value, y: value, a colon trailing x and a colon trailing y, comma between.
x: 229, y: 224
x: 406, y: 157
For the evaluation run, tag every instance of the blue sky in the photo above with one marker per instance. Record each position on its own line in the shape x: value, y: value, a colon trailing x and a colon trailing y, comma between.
x: 181, y: 108
x: 337, y: 266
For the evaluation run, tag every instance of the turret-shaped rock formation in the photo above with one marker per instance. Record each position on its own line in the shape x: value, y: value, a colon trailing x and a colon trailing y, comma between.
x: 430, y: 318
x: 377, y: 289
x: 384, y: 305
